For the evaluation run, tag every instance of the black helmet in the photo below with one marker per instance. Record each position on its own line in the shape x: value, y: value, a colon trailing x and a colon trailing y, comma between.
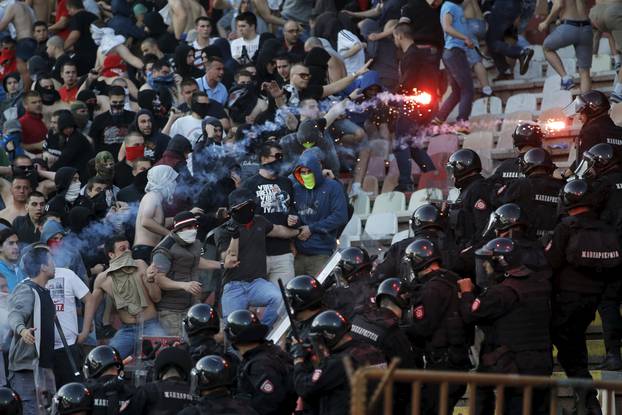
x: 598, y: 159
x: 10, y: 402
x: 173, y: 357
x: 353, y: 260
x: 330, y: 326
x: 505, y: 217
x: 576, y: 193
x: 304, y: 292
x: 462, y: 163
x: 212, y: 372
x: 394, y: 289
x: 201, y: 317
x: 534, y: 159
x: 527, y: 134
x: 502, y: 254
x: 421, y: 253
x: 424, y: 217
x: 243, y: 326
x: 592, y: 103
x: 72, y: 398
x: 100, y: 359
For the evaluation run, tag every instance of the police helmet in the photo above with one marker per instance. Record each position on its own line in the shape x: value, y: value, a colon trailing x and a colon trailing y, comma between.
x: 243, y: 326
x: 304, y: 292
x: 426, y: 216
x: 10, y: 402
x: 173, y: 357
x: 592, y: 104
x: 505, y: 217
x: 462, y: 163
x: 576, y: 193
x: 601, y: 157
x: 101, y: 359
x: 73, y: 398
x: 421, y: 253
x: 534, y: 159
x: 212, y: 372
x: 330, y: 326
x: 527, y: 134
x: 393, y: 289
x: 353, y: 260
x: 201, y: 318
x: 501, y: 253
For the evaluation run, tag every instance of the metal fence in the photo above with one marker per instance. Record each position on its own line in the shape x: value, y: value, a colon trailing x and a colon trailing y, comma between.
x: 362, y: 404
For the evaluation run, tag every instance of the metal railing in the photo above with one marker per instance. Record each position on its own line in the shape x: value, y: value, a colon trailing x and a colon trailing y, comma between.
x: 361, y: 405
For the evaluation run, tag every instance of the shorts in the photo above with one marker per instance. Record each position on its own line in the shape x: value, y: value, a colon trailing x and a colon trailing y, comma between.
x: 472, y: 56
x: 608, y: 18
x: 142, y: 252
x: 25, y: 48
x: 578, y: 36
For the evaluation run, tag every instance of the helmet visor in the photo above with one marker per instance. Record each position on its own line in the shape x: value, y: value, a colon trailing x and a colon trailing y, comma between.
x: 575, y: 107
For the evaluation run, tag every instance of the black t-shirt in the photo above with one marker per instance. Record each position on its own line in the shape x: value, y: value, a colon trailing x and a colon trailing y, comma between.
x: 390, y: 11
x: 108, y: 131
x: 274, y: 201
x: 216, y: 110
x: 315, y: 92
x: 85, y: 47
x: 58, y: 66
x: 123, y: 175
x: 252, y: 250
x: 48, y: 310
x: 425, y: 21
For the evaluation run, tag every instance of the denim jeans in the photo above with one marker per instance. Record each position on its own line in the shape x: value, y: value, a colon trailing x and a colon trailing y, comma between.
x: 239, y: 295
x: 502, y: 17
x: 23, y: 383
x: 462, y: 92
x: 126, y: 337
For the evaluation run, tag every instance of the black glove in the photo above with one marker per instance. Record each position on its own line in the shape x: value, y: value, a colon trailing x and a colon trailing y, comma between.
x: 233, y: 229
x: 299, y: 351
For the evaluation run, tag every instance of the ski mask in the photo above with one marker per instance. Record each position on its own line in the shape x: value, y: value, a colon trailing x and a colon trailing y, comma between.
x: 48, y: 95
x: 164, y: 81
x: 73, y: 192
x: 202, y: 109
x: 275, y: 166
x: 100, y: 205
x: 80, y: 117
x: 104, y: 164
x: 188, y: 235
x: 28, y: 172
x: 243, y: 213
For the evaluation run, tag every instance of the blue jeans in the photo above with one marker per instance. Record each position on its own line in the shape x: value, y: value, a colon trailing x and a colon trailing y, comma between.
x: 502, y: 17
x: 23, y: 382
x: 462, y: 92
x: 126, y: 337
x: 239, y: 295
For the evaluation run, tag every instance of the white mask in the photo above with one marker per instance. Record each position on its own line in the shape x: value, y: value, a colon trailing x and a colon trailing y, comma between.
x: 188, y: 235
x: 73, y: 192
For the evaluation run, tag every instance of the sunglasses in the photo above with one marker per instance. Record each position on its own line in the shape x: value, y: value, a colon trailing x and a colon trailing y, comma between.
x: 278, y: 156
x: 304, y: 75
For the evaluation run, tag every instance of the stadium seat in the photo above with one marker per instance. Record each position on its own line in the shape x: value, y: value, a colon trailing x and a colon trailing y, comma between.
x: 556, y: 99
x: 483, y: 143
x: 570, y: 65
x: 538, y: 53
x: 487, y: 105
x: 361, y: 204
x: 437, y: 178
x: 453, y: 194
x: 423, y: 196
x: 510, y: 120
x: 552, y: 82
x: 601, y: 63
x: 445, y: 143
x: 352, y: 231
x: 486, y: 122
x: 376, y: 167
x: 616, y: 113
x: 566, y: 52
x: 381, y: 225
x: 400, y: 236
x: 389, y: 202
x: 370, y: 185
x: 521, y: 102
x: 603, y: 47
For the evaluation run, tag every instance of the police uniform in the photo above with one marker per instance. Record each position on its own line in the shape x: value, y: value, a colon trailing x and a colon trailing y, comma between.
x: 163, y: 397
x: 220, y: 403
x: 326, y: 389
x: 356, y: 296
x: 600, y: 129
x: 508, y: 171
x: 470, y: 212
x: 264, y: 377
x: 110, y: 392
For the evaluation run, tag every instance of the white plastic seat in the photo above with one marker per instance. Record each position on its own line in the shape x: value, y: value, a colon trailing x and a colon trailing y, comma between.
x: 381, y: 225
x: 570, y: 65
x: 389, y: 202
x: 601, y: 63
x: 453, y: 194
x: 603, y: 46
x: 487, y: 105
x: 400, y: 236
x: 521, y: 102
x: 479, y: 140
x: 352, y: 231
x: 552, y: 82
x: 556, y: 99
x: 423, y: 196
x: 361, y: 204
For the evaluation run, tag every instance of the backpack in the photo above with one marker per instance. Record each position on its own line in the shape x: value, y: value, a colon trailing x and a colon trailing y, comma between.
x: 592, y: 244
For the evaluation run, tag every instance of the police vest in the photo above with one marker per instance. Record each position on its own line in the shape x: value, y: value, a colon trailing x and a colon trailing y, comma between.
x: 592, y: 244
x: 526, y: 327
x: 610, y: 185
x: 173, y: 396
x: 451, y: 332
x: 544, y: 200
x: 224, y: 406
x: 371, y: 327
x: 184, y: 268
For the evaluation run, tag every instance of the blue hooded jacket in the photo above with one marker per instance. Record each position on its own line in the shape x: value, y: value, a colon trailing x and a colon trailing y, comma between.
x: 323, y: 208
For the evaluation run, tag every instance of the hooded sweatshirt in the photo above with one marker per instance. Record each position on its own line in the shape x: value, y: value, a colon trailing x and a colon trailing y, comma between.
x: 58, y: 205
x: 323, y: 208
x: 158, y: 30
x: 64, y: 256
x: 174, y: 155
x: 121, y: 21
x: 156, y: 142
x: 75, y: 149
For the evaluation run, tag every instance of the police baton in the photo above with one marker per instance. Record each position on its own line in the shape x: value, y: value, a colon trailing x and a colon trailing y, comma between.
x: 292, y: 322
x: 72, y: 362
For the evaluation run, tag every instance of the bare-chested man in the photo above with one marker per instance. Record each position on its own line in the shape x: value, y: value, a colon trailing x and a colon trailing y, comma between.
x: 151, y: 225
x: 184, y: 14
x: 606, y: 17
x: 576, y: 30
x: 20, y: 191
x: 41, y: 9
x: 133, y: 293
x: 23, y: 18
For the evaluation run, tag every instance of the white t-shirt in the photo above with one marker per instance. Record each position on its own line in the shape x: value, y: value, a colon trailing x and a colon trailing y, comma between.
x: 189, y: 127
x: 345, y: 41
x: 64, y: 289
x: 239, y: 43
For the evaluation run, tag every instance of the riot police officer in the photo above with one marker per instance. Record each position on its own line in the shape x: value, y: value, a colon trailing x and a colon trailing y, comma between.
x: 350, y: 286
x: 72, y: 398
x: 169, y: 392
x: 584, y: 253
x: 304, y: 295
x: 426, y: 222
x: 598, y: 127
x: 212, y: 379
x: 526, y: 135
x: 324, y: 385
x: 103, y: 369
x: 10, y: 402
x: 601, y: 167
x: 516, y: 309
x: 537, y: 194
x: 436, y: 321
x: 264, y: 375
x: 468, y: 215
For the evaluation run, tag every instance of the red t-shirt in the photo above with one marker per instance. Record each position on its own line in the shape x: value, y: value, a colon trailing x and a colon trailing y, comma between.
x: 33, y: 128
x: 61, y: 11
x: 68, y: 95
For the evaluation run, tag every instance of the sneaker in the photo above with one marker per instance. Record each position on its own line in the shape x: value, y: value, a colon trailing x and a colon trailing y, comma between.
x: 615, y: 98
x: 504, y: 76
x: 524, y: 59
x: 437, y: 121
x: 568, y: 84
